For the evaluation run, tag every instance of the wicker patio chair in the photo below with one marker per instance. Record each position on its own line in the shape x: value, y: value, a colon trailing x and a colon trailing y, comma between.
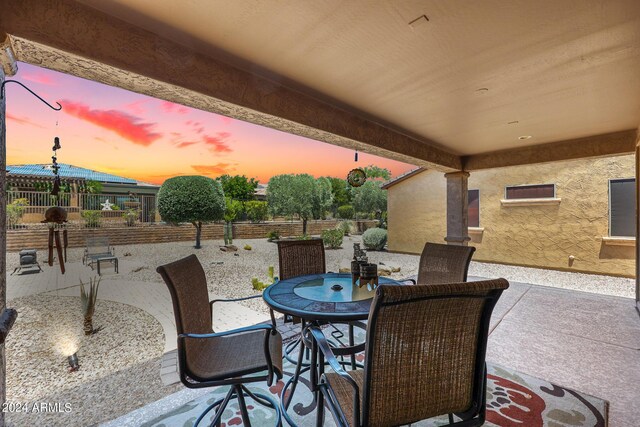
x: 299, y: 258
x: 424, y: 357
x: 209, y: 359
x: 444, y: 264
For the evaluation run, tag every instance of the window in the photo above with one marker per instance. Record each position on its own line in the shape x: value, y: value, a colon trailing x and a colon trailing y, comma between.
x: 474, y: 208
x: 622, y: 207
x: 540, y: 191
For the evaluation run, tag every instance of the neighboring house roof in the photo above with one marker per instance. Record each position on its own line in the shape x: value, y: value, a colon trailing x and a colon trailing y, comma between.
x: 401, y: 178
x: 67, y: 171
x: 261, y: 190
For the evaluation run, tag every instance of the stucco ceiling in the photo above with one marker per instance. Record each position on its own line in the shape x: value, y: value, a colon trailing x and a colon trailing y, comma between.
x: 473, y: 77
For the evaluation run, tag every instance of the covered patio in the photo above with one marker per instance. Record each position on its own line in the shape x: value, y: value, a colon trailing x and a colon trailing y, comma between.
x: 450, y: 86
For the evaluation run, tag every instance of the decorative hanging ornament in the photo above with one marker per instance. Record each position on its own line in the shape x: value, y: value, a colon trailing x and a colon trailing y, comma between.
x: 357, y: 176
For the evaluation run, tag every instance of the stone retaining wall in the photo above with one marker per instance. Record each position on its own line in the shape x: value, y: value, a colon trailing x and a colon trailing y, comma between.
x: 38, y: 238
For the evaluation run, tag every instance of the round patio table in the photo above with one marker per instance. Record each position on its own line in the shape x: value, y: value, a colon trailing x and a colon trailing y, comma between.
x: 320, y: 299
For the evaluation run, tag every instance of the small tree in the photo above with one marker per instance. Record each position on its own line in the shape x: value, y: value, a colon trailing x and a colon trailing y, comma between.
x: 238, y: 187
x: 257, y: 211
x: 322, y: 198
x: 369, y: 198
x: 194, y: 199
x: 299, y: 195
x: 233, y: 208
x: 341, y: 193
x: 377, y: 173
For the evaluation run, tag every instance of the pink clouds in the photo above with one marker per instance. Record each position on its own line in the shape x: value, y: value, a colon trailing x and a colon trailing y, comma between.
x: 225, y: 120
x: 170, y: 107
x: 127, y: 126
x: 42, y: 78
x: 23, y: 120
x: 217, y: 143
x: 135, y: 107
x: 214, y: 170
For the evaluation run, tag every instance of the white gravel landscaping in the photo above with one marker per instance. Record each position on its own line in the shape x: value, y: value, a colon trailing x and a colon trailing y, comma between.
x: 48, y: 329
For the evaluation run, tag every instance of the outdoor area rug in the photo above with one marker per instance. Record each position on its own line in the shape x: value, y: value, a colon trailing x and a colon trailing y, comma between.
x: 513, y: 399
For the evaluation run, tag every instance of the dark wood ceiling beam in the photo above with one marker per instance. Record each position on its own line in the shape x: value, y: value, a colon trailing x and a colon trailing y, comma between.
x: 76, y: 39
x: 610, y: 144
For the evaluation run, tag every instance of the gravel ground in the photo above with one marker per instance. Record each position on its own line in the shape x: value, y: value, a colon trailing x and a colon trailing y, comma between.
x: 229, y: 273
x: 113, y: 363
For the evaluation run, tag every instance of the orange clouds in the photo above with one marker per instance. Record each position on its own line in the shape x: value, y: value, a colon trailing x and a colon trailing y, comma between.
x: 185, y: 144
x: 214, y: 170
x: 125, y: 125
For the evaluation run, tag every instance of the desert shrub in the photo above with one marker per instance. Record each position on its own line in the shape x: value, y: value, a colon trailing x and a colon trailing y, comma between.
x: 130, y: 216
x: 256, y: 211
x: 346, y: 212
x: 332, y: 238
x: 91, y: 218
x: 15, y: 210
x: 247, y: 247
x: 273, y: 235
x: 345, y: 227
x: 374, y: 239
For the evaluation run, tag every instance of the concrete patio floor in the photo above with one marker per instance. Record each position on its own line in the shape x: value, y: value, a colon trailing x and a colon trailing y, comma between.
x: 579, y: 340
x: 583, y: 341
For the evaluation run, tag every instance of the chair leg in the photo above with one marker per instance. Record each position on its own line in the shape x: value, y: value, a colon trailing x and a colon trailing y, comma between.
x: 221, y: 404
x: 243, y: 406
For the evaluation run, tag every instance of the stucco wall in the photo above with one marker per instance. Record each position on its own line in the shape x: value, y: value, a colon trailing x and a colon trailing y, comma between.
x: 541, y: 235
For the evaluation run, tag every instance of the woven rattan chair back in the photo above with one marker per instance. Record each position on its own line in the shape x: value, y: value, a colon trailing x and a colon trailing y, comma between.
x: 425, y: 352
x: 187, y: 285
x: 300, y: 257
x: 444, y: 264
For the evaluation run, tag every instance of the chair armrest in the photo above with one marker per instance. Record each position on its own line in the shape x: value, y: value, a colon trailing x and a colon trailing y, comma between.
x: 325, y: 348
x: 252, y: 328
x: 233, y: 299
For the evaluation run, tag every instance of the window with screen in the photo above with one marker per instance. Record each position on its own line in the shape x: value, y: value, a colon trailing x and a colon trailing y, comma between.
x: 538, y: 191
x: 474, y: 208
x: 622, y: 210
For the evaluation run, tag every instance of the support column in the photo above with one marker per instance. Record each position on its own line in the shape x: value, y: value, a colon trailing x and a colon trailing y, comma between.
x: 8, y: 67
x: 3, y: 240
x: 457, y: 204
x: 638, y: 223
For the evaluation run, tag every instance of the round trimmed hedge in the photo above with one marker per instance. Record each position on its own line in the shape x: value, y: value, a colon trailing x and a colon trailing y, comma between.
x: 374, y: 239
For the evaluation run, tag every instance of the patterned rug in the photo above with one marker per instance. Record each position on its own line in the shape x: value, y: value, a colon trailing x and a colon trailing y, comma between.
x: 513, y: 399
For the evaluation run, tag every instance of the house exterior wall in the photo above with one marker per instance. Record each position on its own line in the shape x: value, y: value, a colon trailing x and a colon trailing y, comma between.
x: 538, y: 235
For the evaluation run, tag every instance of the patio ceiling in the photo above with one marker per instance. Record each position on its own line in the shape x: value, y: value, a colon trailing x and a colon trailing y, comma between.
x: 446, y: 84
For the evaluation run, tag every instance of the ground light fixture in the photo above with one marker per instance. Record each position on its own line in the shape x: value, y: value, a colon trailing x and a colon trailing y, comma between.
x: 74, y: 365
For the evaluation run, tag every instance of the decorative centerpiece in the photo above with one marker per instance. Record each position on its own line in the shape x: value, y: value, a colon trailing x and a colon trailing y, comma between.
x: 359, y: 259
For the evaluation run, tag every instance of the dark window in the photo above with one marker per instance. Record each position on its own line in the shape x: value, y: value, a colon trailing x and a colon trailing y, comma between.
x: 622, y: 207
x: 541, y: 191
x: 474, y: 208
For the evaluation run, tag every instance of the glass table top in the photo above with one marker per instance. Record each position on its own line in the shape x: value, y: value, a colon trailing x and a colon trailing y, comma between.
x: 334, y: 289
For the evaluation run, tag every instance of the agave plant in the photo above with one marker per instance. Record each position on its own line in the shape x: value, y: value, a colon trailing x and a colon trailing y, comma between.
x: 88, y: 300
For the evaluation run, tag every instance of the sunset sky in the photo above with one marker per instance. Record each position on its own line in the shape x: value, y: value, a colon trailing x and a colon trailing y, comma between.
x: 116, y: 131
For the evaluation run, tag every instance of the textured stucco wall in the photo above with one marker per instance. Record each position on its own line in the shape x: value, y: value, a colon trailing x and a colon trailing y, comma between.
x: 541, y: 235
